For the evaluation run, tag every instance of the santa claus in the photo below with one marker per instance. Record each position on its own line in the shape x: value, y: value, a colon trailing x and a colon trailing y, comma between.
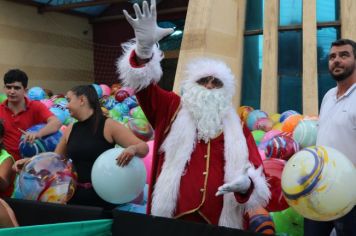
x: 206, y: 166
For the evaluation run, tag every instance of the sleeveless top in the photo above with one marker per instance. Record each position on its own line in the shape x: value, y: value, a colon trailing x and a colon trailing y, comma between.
x: 4, y: 155
x: 83, y: 148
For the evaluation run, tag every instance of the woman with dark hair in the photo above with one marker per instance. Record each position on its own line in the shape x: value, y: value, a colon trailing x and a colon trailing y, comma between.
x: 86, y: 139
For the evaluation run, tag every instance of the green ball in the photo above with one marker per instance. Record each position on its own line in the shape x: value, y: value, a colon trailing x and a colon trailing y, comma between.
x: 258, y: 135
x: 3, y: 97
x: 288, y: 222
x: 137, y: 113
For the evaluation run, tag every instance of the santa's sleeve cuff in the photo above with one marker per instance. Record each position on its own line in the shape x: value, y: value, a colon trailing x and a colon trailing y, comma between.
x: 260, y: 193
x: 138, y: 76
x: 243, y: 197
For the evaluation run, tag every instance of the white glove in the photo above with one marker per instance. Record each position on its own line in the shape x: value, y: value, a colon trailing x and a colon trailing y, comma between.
x: 240, y: 185
x: 147, y: 32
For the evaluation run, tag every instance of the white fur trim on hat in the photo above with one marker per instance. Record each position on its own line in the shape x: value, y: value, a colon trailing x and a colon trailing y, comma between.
x: 202, y: 67
x: 139, y: 77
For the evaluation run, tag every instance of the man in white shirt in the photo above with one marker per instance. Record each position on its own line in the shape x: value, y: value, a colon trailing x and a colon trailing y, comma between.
x: 337, y: 126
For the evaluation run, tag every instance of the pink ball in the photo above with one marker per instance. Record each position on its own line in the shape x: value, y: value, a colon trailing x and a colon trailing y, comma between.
x: 63, y: 128
x: 270, y: 134
x: 262, y: 154
x: 147, y: 160
x: 106, y: 89
x: 131, y: 91
x: 264, y: 124
x: 47, y: 102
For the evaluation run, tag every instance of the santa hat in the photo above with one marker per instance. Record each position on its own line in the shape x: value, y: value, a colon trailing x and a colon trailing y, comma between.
x: 203, y: 67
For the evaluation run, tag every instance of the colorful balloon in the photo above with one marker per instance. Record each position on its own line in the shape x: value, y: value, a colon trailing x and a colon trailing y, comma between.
x: 305, y: 132
x: 147, y: 160
x: 141, y: 128
x: 114, y: 88
x: 60, y: 113
x: 98, y: 90
x: 275, y: 117
x: 3, y: 97
x: 48, y: 178
x: 28, y: 149
x: 121, y: 95
x: 131, y: 102
x: 130, y: 91
x: 45, y: 144
x: 258, y: 135
x: 319, y: 183
x: 105, y: 89
x: 291, y: 122
x: 264, y: 124
x: 277, y: 126
x: 286, y: 114
x: 243, y: 112
x: 36, y: 93
x: 288, y: 222
x: 116, y: 184
x: 137, y: 113
x: 108, y: 102
x: 47, y: 102
x: 253, y: 116
x: 273, y: 169
x: 281, y: 147
x: 260, y: 222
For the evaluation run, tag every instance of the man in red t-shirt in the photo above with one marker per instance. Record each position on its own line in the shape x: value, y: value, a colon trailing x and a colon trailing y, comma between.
x: 18, y: 113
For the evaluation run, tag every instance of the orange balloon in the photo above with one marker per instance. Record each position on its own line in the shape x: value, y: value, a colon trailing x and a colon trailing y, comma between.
x: 243, y: 112
x: 114, y: 88
x: 291, y: 122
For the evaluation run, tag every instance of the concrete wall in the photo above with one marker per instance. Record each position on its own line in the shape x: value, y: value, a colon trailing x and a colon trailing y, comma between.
x: 54, y: 49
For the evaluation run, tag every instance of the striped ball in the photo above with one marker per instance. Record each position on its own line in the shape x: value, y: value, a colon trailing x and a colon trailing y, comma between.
x: 260, y: 222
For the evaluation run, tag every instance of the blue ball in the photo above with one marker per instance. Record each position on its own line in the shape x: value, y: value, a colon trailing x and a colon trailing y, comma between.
x: 122, y: 108
x: 131, y: 102
x: 98, y: 90
x: 286, y: 114
x: 36, y: 93
x: 108, y: 102
x: 45, y: 144
x: 31, y: 149
x: 60, y: 113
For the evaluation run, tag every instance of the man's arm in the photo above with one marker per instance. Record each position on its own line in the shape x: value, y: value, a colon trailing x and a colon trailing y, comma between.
x: 53, y: 124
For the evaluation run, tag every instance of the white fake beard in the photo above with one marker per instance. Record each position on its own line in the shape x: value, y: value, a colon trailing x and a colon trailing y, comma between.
x: 208, y: 107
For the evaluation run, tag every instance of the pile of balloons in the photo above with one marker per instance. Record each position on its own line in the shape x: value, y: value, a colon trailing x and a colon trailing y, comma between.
x: 278, y: 137
x: 117, y: 102
x: 306, y: 180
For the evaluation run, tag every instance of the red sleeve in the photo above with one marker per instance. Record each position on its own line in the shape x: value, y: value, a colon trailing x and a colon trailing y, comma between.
x: 41, y: 112
x: 255, y: 160
x: 254, y: 155
x: 243, y: 197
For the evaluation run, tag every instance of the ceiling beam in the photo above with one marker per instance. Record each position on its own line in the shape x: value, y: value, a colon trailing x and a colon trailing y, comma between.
x: 68, y: 6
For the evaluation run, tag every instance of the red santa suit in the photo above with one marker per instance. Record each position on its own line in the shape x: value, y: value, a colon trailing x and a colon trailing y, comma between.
x: 187, y: 172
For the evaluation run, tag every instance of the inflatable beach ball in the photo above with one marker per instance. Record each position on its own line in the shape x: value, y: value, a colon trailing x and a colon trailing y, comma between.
x: 319, y: 183
x: 117, y: 184
x: 48, y: 177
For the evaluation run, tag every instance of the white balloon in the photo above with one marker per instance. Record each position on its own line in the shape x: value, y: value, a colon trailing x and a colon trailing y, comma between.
x: 116, y: 184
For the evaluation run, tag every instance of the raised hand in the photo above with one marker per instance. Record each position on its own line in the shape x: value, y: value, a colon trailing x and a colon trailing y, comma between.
x: 147, y: 32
